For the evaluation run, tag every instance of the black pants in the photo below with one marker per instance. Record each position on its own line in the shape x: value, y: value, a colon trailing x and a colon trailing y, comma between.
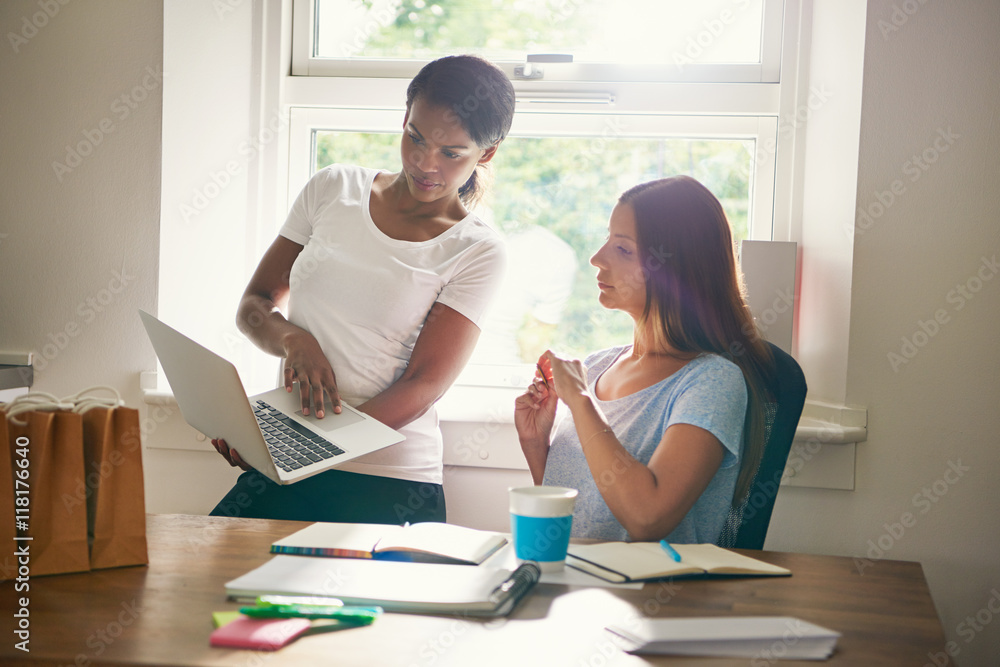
x: 335, y: 496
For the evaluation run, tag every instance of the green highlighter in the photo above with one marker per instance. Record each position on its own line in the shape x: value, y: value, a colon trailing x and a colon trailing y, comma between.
x: 281, y: 606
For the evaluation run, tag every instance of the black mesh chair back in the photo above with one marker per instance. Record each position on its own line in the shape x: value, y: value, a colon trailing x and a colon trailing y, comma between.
x: 746, y: 525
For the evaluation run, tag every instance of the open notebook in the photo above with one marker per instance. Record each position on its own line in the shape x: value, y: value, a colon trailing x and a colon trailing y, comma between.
x: 644, y: 561
x: 420, y: 542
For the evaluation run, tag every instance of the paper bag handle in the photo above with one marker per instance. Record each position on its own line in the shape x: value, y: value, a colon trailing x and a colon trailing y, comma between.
x: 79, y: 402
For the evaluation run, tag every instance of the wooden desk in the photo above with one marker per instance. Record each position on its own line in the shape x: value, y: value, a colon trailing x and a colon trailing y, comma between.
x: 161, y: 614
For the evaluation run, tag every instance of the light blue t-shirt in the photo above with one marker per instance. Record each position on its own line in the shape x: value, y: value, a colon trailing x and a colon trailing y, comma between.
x: 709, y: 392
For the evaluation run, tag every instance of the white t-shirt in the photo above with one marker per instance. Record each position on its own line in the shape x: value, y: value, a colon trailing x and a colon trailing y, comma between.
x: 365, y: 296
x: 708, y: 392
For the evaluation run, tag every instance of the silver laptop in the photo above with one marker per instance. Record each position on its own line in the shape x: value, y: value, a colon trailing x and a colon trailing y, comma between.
x: 268, y: 430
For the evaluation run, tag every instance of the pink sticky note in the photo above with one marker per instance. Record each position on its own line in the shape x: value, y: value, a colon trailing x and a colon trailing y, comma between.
x: 262, y: 634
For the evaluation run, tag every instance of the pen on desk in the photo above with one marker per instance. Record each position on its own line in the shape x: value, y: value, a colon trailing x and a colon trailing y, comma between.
x: 670, y: 551
x: 311, y: 608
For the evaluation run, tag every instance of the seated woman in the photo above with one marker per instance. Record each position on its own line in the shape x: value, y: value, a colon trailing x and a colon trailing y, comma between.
x: 658, y: 428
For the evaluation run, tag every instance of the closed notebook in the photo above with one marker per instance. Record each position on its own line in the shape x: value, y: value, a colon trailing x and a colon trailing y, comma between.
x: 401, y: 587
x: 763, y: 637
x: 642, y: 561
x: 420, y: 542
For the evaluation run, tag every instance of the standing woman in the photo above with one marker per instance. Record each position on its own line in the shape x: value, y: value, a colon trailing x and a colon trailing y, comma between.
x: 657, y: 428
x: 371, y: 294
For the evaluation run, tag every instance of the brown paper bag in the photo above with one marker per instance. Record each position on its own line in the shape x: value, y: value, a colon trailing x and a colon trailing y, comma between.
x: 115, y: 500
x: 52, y: 442
x: 8, y: 559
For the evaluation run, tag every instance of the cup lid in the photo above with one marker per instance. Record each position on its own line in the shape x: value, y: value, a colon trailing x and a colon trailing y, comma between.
x: 542, y: 501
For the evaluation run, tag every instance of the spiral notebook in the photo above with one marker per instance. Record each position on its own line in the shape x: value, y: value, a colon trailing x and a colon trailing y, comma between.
x: 417, y: 588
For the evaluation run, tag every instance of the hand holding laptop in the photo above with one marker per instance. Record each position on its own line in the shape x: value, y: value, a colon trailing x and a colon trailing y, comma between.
x: 233, y: 457
x: 273, y: 435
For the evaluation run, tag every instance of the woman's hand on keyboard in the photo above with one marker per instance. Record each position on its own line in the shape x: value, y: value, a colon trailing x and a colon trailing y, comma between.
x: 230, y: 454
x: 306, y: 363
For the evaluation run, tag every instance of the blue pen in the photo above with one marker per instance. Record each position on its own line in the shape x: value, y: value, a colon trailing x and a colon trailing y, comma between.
x: 670, y: 551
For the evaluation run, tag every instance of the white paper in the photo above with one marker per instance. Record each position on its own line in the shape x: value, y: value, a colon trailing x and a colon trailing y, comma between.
x: 740, y: 636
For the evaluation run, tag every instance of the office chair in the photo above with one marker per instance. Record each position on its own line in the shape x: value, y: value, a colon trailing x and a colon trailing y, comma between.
x: 746, y: 525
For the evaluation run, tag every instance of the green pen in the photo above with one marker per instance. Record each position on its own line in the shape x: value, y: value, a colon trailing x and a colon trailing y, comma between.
x: 311, y: 608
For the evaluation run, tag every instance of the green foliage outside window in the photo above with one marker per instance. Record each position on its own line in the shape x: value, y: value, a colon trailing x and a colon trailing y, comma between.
x: 569, y: 186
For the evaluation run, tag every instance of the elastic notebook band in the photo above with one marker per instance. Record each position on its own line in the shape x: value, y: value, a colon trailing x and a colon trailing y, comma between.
x: 520, y: 581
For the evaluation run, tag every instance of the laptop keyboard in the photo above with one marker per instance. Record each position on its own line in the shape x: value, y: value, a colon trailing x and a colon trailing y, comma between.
x: 292, y: 445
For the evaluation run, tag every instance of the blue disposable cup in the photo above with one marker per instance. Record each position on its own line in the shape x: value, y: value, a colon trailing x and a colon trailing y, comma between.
x: 541, y: 519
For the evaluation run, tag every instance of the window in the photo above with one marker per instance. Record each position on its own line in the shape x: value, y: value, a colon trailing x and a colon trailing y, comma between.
x: 583, y: 131
x: 275, y: 94
x: 649, y: 40
x: 705, y: 103
x: 557, y: 178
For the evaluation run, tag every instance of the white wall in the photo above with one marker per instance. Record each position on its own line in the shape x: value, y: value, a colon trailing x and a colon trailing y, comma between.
x: 931, y: 70
x: 78, y: 244
x: 61, y: 242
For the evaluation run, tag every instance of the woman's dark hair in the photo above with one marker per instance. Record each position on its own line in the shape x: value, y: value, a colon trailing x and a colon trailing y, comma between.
x: 695, y: 297
x: 479, y: 97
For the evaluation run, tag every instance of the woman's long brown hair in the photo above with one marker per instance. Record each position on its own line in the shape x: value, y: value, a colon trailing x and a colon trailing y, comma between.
x: 695, y: 297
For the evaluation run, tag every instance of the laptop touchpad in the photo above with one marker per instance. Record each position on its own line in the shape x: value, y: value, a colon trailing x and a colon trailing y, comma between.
x: 332, y: 421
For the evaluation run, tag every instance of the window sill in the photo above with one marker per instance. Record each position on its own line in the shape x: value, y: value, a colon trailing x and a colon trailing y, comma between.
x: 822, y: 455
x: 821, y: 423
x: 823, y: 452
x: 825, y: 423
x: 480, y: 422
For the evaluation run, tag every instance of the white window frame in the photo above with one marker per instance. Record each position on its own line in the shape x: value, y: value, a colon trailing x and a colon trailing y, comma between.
x: 305, y: 62
x: 710, y: 101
